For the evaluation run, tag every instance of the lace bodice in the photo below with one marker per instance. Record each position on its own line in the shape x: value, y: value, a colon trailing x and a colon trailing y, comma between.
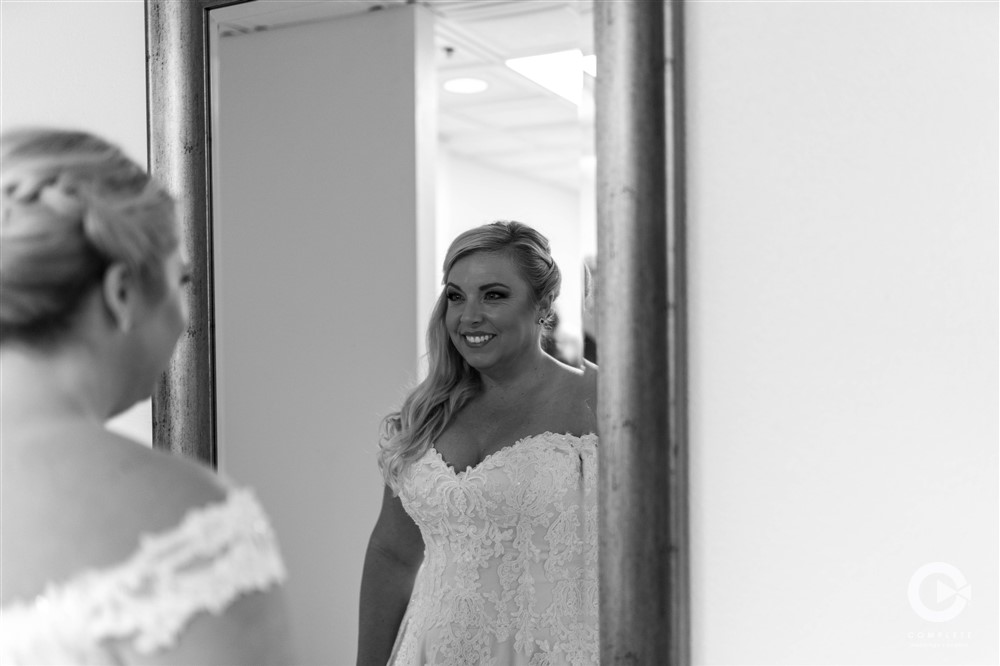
x: 215, y: 554
x: 510, y: 565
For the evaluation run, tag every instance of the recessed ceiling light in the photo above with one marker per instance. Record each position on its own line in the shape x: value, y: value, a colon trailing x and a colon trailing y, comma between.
x: 465, y: 86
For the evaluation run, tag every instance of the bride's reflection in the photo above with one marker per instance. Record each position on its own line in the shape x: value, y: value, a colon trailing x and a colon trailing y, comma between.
x: 486, y: 546
x: 342, y: 168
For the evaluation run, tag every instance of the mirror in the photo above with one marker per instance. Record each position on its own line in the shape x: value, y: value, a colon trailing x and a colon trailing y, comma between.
x: 342, y: 167
x: 349, y: 229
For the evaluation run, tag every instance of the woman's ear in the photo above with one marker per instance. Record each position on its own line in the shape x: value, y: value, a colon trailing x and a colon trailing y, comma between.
x: 120, y: 293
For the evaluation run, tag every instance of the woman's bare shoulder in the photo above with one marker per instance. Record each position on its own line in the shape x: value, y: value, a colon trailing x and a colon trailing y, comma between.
x: 184, y: 480
x: 85, y: 501
x: 589, y: 383
x: 97, y: 467
x: 164, y: 485
x: 580, y: 386
x: 586, y: 391
x: 81, y: 499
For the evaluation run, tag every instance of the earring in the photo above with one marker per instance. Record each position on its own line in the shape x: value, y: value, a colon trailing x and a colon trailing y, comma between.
x: 541, y: 320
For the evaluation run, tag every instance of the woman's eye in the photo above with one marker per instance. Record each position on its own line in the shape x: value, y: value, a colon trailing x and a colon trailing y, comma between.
x: 493, y: 295
x: 454, y: 296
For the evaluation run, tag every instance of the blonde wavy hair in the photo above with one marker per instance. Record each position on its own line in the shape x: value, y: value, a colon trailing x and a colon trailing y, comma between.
x: 451, y: 382
x: 71, y: 205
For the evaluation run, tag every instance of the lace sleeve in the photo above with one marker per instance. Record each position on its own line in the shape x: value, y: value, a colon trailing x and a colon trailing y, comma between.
x: 215, y: 554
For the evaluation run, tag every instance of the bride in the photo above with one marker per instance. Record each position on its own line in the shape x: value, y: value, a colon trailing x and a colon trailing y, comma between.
x: 485, y: 551
x: 112, y: 553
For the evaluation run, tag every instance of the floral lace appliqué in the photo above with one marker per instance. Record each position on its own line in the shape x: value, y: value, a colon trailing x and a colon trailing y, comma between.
x: 215, y: 554
x: 510, y: 564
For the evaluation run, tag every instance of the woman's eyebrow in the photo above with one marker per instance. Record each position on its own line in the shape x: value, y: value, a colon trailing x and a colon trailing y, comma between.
x: 484, y: 287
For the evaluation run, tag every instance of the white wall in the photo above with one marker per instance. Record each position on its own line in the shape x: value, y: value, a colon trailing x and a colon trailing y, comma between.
x: 317, y: 211
x: 470, y: 194
x: 843, y: 254
x: 79, y: 65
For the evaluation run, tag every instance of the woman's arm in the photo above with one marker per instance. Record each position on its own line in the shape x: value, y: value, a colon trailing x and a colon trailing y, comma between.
x: 394, y: 554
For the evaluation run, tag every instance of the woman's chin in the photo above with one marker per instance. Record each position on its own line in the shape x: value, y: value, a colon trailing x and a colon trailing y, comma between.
x: 475, y: 363
x: 479, y: 362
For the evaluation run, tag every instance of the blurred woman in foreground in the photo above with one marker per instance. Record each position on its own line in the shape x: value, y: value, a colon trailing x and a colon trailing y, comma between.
x: 112, y: 552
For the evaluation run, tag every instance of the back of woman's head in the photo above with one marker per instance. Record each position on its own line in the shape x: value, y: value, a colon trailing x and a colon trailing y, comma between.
x: 71, y: 205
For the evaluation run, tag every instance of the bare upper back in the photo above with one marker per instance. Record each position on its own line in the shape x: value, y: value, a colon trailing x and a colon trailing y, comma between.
x: 79, y: 498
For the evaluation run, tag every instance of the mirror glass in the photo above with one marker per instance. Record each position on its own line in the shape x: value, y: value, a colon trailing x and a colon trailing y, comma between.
x: 351, y: 142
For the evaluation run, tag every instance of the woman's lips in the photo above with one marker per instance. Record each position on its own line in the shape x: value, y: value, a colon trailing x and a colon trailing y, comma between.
x: 476, y: 340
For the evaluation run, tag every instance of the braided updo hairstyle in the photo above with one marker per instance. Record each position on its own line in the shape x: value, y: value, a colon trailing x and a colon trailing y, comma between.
x: 71, y: 205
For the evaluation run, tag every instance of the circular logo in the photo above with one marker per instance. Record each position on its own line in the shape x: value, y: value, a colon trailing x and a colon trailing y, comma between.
x: 950, y: 586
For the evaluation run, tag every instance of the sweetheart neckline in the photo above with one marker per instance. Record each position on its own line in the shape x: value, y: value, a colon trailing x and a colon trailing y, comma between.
x: 472, y: 468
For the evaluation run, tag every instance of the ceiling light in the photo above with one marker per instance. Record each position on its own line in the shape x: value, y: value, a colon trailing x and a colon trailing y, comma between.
x: 465, y: 86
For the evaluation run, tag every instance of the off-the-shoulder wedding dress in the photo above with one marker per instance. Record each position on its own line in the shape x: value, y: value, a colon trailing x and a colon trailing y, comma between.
x: 510, y: 566
x: 217, y: 552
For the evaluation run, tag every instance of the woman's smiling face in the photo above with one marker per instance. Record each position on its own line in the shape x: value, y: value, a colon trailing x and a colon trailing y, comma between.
x: 492, y: 316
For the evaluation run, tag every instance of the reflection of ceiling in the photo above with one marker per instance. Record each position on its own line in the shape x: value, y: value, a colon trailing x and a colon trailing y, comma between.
x: 515, y: 125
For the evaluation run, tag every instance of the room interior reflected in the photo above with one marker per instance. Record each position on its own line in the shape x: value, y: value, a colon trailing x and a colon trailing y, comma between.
x: 343, y: 165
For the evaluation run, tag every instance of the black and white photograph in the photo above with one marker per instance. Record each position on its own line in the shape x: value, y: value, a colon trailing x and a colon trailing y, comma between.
x: 500, y: 332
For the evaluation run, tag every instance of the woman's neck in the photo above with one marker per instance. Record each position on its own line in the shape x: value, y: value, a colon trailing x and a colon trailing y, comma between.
x: 57, y: 386
x: 517, y: 380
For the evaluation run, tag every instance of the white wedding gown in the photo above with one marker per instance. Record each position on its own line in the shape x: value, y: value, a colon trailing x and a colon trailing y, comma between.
x: 217, y: 552
x: 510, y: 566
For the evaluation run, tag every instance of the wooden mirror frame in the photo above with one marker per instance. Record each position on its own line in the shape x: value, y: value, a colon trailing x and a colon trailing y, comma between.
x: 641, y: 311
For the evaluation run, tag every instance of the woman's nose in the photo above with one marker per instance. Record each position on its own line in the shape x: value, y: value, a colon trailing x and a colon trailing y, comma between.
x: 471, y: 312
